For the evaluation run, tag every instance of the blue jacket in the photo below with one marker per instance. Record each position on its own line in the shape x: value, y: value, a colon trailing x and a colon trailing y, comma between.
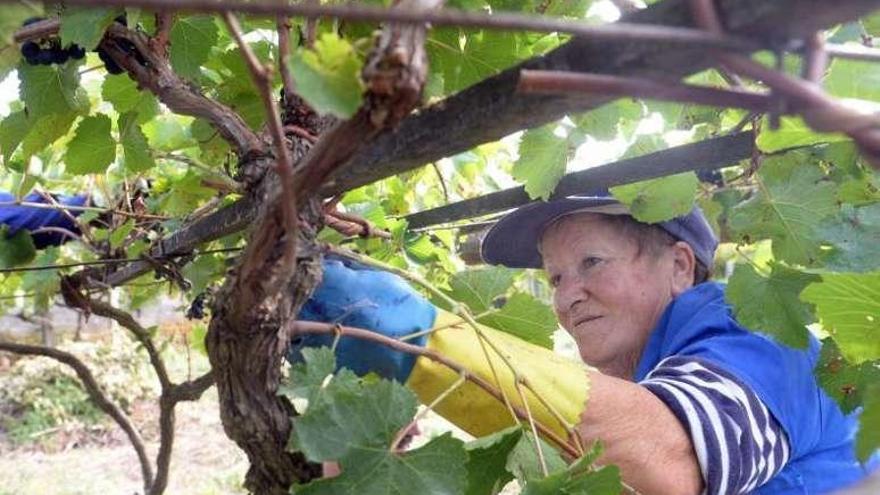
x: 699, y: 323
x: 29, y: 218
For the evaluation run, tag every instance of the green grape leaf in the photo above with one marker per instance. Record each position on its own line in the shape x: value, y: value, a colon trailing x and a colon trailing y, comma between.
x: 487, y: 461
x: 328, y: 77
x: 11, y: 17
x: 479, y: 288
x: 51, y: 89
x: 436, y: 468
x: 118, y: 236
x: 462, y: 58
x: 135, y: 148
x: 853, y: 79
x: 854, y: 236
x: 192, y: 38
x: 844, y: 382
x: 524, y: 463
x: 168, y: 133
x: 85, y: 26
x: 848, y: 306
x: 13, y: 129
x: 44, y: 131
x: 543, y: 157
x: 658, y: 200
x: 15, y: 250
x: 568, y: 8
x: 792, y: 200
x: 125, y: 97
x: 868, y: 438
x: 792, y: 133
x: 604, y: 123
x: 92, y: 148
x: 578, y: 479
x: 326, y: 431
x: 526, y: 317
x: 770, y: 304
x: 307, y: 378
x: 203, y: 271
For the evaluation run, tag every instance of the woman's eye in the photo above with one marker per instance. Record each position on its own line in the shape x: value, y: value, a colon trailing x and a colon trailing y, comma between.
x: 591, y: 261
x: 554, y: 281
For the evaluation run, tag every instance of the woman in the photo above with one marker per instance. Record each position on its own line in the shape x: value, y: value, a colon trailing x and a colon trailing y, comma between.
x: 684, y: 399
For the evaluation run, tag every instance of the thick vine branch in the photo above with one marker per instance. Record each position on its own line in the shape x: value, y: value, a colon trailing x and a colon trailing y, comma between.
x: 711, y: 153
x: 157, y: 76
x: 98, y: 397
x: 492, y: 108
x: 445, y: 17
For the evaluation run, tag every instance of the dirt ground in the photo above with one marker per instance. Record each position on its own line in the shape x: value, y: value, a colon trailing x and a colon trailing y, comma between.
x: 204, y: 461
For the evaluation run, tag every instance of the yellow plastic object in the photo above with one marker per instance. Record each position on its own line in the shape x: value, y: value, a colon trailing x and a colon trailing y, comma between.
x: 562, y: 382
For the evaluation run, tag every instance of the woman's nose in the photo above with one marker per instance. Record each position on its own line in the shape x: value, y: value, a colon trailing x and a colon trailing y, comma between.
x: 569, y: 292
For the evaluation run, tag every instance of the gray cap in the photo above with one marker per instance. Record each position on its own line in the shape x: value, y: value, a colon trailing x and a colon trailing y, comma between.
x: 513, y: 240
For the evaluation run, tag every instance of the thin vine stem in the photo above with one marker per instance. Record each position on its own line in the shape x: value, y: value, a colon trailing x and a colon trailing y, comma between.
x: 464, y: 313
x: 462, y: 377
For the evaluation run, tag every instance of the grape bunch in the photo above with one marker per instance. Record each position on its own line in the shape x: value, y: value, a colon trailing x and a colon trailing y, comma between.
x: 196, y: 310
x: 49, y: 51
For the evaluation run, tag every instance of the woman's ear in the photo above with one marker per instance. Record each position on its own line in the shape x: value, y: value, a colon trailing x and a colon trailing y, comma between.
x: 683, y: 267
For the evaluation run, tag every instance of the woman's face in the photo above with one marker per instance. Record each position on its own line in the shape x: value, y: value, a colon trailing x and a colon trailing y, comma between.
x: 607, y: 294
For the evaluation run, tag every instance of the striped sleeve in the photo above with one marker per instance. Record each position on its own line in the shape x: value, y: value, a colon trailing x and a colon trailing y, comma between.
x: 738, y: 443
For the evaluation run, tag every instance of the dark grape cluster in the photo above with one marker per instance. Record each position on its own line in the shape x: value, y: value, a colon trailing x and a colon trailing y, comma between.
x: 196, y: 310
x: 49, y: 51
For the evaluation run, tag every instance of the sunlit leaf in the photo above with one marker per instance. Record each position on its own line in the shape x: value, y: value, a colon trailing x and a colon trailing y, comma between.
x: 543, y: 157
x: 85, y: 26
x: 848, y: 306
x: 770, y: 304
x: 92, y: 148
x: 328, y: 77
x: 191, y: 40
x: 17, y: 249
x: 788, y: 207
x: 661, y: 199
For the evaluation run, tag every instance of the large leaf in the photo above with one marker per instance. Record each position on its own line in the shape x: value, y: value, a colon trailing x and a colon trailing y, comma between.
x: 542, y: 160
x: 854, y: 79
x: 125, y: 97
x: 328, y: 77
x: 478, y: 289
x: 134, y: 144
x: 868, y: 438
x: 462, y: 58
x: 792, y: 200
x: 436, y: 469
x: 192, y: 38
x: 524, y: 463
x: 660, y: 199
x: 51, y: 89
x: 848, y: 306
x: 13, y: 129
x: 92, y: 148
x: 791, y: 134
x: 845, y: 382
x: 527, y: 318
x: 85, y: 26
x: 11, y: 18
x: 45, y: 130
x: 15, y: 250
x: 487, y: 461
x: 326, y: 431
x: 855, y: 237
x: 770, y: 304
x: 603, y: 123
x: 354, y: 421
